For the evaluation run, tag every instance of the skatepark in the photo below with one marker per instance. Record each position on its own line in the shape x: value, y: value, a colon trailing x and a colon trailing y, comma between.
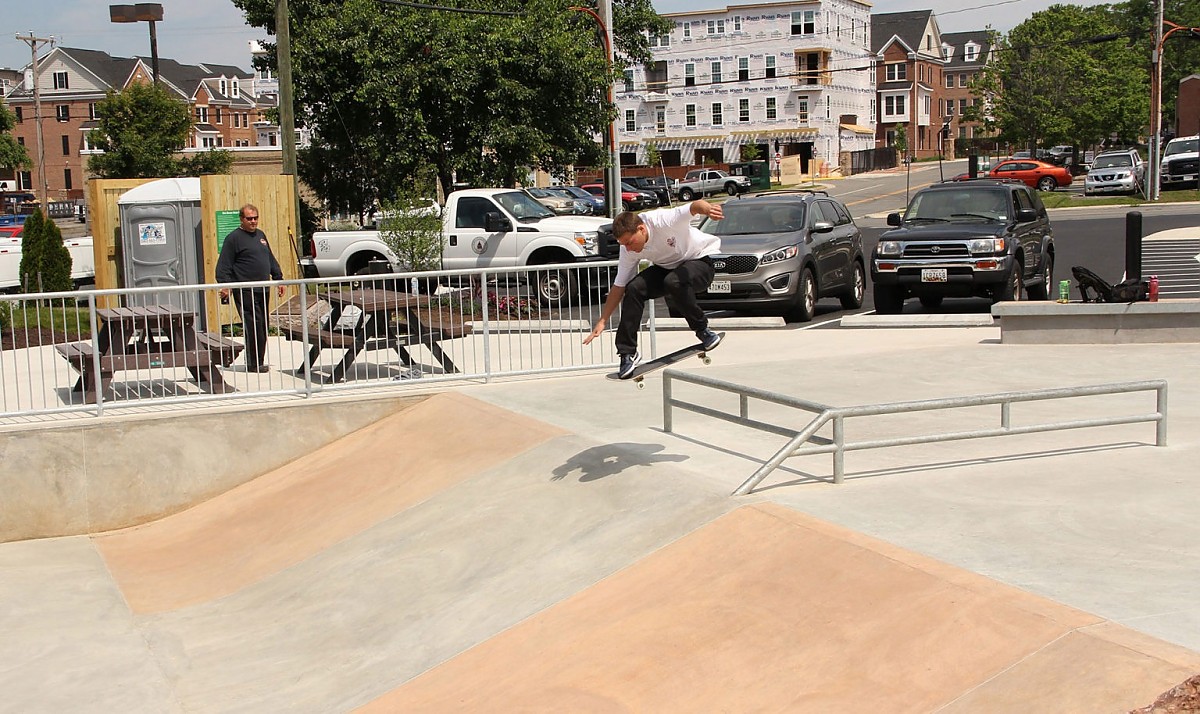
x: 544, y: 545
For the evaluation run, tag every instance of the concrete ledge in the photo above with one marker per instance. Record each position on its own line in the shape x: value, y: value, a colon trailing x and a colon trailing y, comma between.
x: 873, y: 320
x: 1098, y: 323
x: 92, y: 476
x: 722, y: 323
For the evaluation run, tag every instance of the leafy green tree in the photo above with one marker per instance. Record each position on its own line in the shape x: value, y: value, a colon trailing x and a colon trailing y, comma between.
x: 387, y: 89
x: 12, y: 154
x: 141, y: 130
x: 1061, y: 77
x: 45, y: 261
x: 1181, y: 51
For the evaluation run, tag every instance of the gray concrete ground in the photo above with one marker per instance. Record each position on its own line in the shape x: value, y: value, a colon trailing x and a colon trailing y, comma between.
x: 1098, y: 519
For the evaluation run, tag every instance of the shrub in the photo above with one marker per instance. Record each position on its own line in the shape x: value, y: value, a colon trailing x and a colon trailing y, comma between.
x: 45, y: 261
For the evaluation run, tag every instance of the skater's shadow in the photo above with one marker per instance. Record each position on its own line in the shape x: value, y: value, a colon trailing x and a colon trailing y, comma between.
x: 609, y: 459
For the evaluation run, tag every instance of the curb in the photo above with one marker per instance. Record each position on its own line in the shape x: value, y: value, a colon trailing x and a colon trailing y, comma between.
x: 872, y: 320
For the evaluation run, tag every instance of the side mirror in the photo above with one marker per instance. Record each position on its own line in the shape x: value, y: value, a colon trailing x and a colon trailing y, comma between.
x: 495, y: 223
x: 893, y: 219
x: 1026, y: 215
x: 822, y: 227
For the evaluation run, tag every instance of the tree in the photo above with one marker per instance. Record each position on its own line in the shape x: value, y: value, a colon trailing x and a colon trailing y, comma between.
x: 386, y: 89
x: 1066, y: 75
x: 1181, y: 53
x: 12, y: 154
x: 750, y: 152
x: 45, y: 261
x: 141, y: 129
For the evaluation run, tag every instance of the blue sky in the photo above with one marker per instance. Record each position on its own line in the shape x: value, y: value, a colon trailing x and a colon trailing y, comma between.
x: 214, y: 31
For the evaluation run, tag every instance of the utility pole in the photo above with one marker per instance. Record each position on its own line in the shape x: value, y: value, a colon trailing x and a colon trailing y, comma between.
x: 34, y: 43
x: 1153, y: 171
x: 613, y: 174
x: 287, y: 117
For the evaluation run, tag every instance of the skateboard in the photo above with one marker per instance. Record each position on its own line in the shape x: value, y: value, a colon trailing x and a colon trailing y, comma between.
x: 640, y: 371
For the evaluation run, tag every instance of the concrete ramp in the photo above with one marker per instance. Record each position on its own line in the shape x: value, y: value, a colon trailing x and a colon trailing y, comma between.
x: 766, y: 609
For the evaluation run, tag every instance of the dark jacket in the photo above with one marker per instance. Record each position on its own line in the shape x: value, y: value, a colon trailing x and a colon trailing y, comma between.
x: 246, y: 256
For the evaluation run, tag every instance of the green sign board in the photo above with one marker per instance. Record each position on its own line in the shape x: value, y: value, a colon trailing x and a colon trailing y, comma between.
x: 226, y: 222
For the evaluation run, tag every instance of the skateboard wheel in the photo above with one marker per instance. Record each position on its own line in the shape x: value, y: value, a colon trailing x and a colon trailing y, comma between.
x: 706, y: 359
x: 641, y: 384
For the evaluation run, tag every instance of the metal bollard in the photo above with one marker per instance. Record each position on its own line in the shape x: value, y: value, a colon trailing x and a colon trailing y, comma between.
x: 1133, y: 245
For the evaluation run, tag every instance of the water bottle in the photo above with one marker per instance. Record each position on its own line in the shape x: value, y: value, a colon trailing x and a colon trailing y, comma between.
x: 1153, y: 288
x: 1064, y: 291
x: 413, y: 285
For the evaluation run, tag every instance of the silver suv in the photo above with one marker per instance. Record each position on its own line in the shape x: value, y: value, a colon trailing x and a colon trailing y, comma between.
x: 782, y: 251
x: 1115, y: 172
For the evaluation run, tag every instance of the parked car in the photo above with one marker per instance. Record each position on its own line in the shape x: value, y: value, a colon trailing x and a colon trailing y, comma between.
x: 1060, y: 155
x: 631, y: 198
x: 981, y: 238
x: 11, y: 232
x: 656, y: 185
x: 594, y: 204
x: 1041, y: 175
x: 1180, y: 163
x: 561, y: 205
x: 702, y: 182
x: 783, y: 251
x: 1115, y: 172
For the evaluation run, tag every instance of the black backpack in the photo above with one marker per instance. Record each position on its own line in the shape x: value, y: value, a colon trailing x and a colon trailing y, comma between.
x: 1127, y: 291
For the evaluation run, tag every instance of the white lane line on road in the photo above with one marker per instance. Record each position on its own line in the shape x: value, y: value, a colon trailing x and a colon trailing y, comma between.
x: 860, y: 190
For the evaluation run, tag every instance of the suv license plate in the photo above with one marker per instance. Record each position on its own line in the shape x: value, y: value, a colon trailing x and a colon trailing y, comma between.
x: 933, y: 275
x: 720, y: 286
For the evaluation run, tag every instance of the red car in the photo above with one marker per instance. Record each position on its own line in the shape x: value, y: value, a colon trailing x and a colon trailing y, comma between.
x: 11, y: 231
x: 631, y: 198
x: 1034, y: 174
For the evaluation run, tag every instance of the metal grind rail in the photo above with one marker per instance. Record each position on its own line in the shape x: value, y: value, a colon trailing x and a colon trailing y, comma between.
x: 806, y: 442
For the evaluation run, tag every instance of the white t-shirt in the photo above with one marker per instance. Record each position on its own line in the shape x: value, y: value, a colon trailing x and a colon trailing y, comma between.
x: 671, y: 240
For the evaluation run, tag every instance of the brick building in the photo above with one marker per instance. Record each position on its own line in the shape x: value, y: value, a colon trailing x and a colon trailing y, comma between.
x: 909, y: 66
x: 227, y: 110
x: 966, y: 54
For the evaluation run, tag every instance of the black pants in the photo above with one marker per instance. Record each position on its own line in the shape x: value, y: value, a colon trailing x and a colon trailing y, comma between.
x: 678, y: 285
x: 252, y: 304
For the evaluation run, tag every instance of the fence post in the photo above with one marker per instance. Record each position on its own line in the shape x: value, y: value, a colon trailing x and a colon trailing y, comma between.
x: 1160, y: 428
x: 667, y: 396
x: 839, y: 454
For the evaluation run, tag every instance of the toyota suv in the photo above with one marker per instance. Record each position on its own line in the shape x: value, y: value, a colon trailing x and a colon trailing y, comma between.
x: 980, y: 238
x: 781, y: 252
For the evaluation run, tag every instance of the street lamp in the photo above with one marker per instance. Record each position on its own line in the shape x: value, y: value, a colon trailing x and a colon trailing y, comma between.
x: 150, y: 12
x: 1154, y: 170
x: 613, y: 173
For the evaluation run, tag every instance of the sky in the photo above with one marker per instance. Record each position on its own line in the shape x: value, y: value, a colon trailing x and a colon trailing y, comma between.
x: 214, y: 31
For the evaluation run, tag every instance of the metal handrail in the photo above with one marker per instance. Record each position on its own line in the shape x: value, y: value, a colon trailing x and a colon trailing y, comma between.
x: 806, y: 442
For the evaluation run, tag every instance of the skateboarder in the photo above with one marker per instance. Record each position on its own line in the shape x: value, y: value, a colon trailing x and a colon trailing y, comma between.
x: 680, y: 265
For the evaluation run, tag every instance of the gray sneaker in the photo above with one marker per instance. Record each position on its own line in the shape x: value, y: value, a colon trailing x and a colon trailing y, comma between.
x: 709, y: 339
x: 628, y: 364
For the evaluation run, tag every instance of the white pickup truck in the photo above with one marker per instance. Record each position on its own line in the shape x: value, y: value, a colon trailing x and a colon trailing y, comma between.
x: 702, y: 182
x: 83, y: 265
x: 483, y: 228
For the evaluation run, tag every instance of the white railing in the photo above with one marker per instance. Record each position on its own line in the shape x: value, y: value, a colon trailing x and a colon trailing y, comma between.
x: 92, y: 352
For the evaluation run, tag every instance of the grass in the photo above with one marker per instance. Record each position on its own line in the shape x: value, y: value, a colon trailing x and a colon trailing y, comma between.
x: 1061, y: 199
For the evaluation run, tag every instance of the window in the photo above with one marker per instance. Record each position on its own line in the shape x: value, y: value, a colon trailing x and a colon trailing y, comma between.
x: 224, y: 86
x: 62, y: 112
x: 920, y: 73
x: 656, y: 76
x: 237, y: 90
x: 25, y: 180
x: 67, y: 179
x: 809, y: 66
x: 687, y: 30
x: 472, y: 211
x: 21, y: 140
x: 689, y: 112
x: 660, y: 40
x: 737, y: 23
x: 630, y: 122
x: 689, y: 75
x: 772, y: 111
x: 202, y: 115
x: 949, y: 107
x: 716, y: 27
x: 893, y: 106
x: 60, y: 80
x: 716, y: 72
x: 895, y: 72
x: 770, y: 74
x: 802, y: 109
x: 947, y: 51
x: 962, y: 79
x: 66, y: 145
x: 743, y: 69
x: 962, y: 106
x: 718, y: 114
x: 660, y: 121
x: 217, y: 115
x: 19, y: 113
x: 629, y: 80
x: 970, y: 52
x: 949, y: 81
x: 743, y: 110
x: 92, y: 113
x: 804, y: 23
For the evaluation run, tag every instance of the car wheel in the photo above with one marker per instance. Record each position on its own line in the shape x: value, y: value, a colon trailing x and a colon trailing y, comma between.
x: 686, y: 194
x: 624, y: 205
x: 1011, y: 290
x: 555, y: 288
x: 806, y: 299
x: 1042, y: 290
x: 852, y: 299
x: 931, y: 302
x: 731, y: 189
x: 889, y: 300
x: 1047, y: 183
